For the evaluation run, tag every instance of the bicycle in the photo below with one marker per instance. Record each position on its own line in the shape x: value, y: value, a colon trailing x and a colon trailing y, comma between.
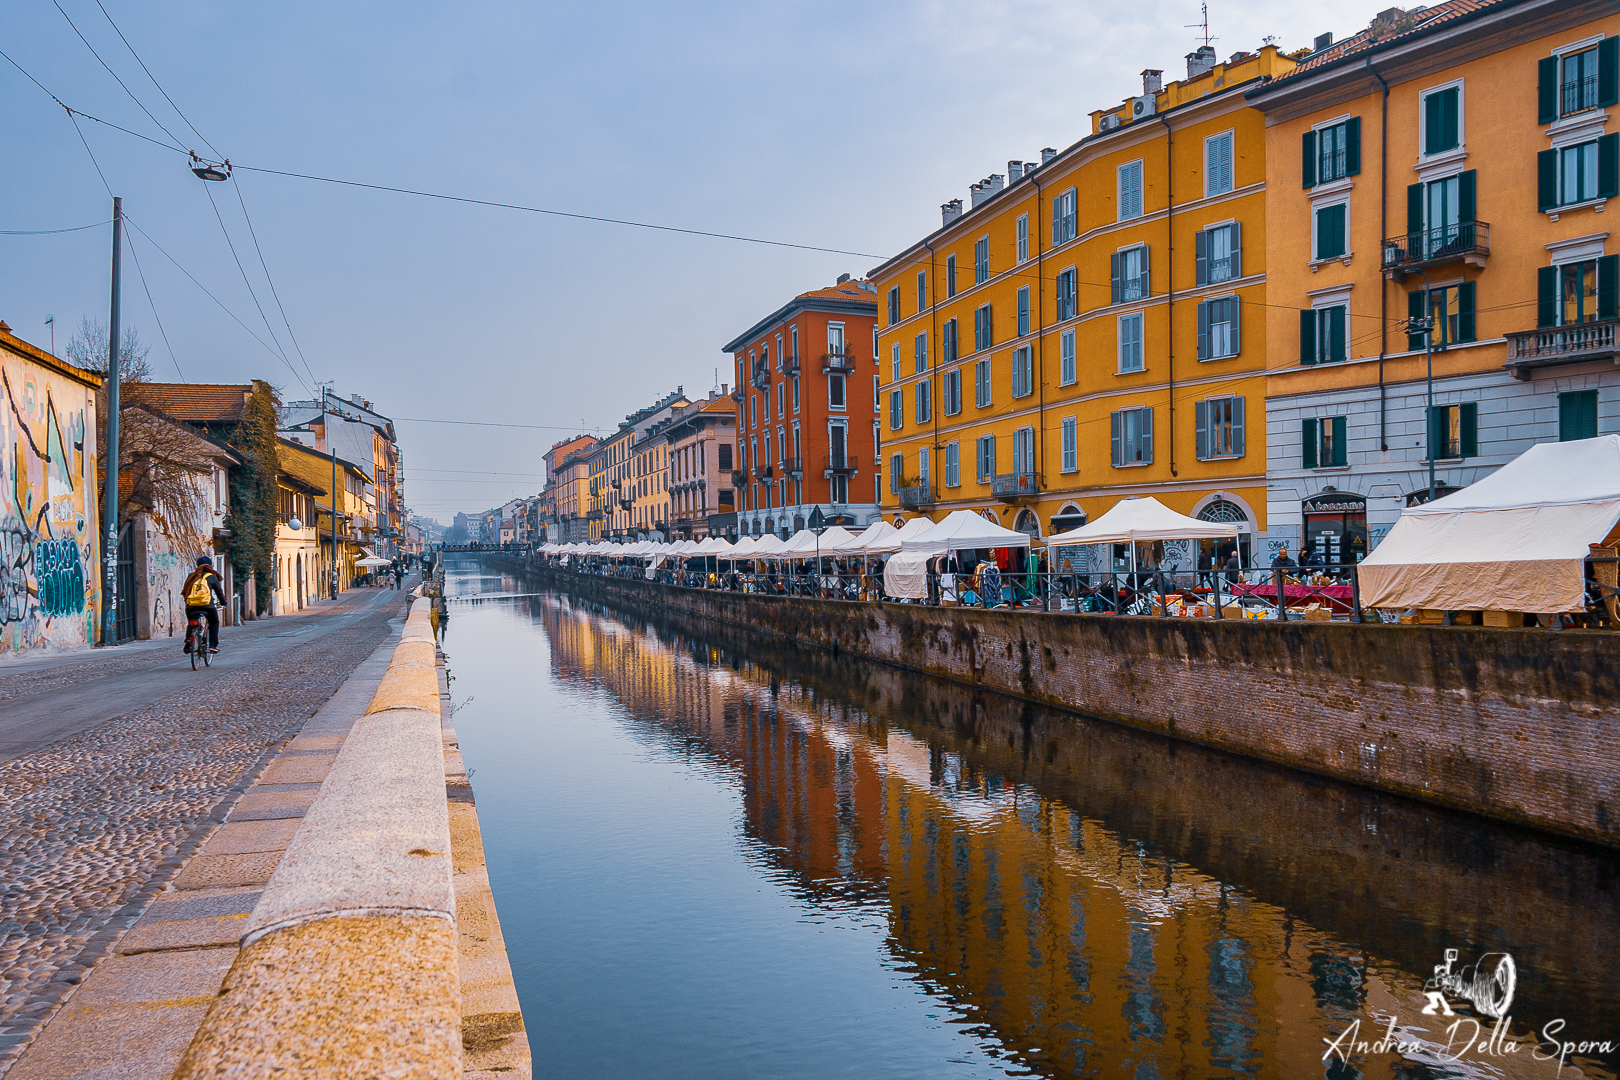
x: 197, y: 640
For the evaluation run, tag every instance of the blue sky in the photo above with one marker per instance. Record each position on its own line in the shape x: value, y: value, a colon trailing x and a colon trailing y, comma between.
x: 830, y: 124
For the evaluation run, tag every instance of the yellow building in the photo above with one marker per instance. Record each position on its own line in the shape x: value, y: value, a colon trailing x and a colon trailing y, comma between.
x: 296, y: 575
x: 614, y: 476
x: 355, y: 509
x: 1087, y: 329
x: 567, y: 489
x: 1458, y: 153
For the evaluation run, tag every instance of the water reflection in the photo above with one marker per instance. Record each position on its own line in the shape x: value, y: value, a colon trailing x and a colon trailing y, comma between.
x: 1088, y: 900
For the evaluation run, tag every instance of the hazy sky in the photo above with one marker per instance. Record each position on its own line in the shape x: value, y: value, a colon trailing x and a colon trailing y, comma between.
x: 832, y: 124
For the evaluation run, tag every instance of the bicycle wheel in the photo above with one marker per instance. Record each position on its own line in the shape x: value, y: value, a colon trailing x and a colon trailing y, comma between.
x: 191, y: 634
x: 202, y: 647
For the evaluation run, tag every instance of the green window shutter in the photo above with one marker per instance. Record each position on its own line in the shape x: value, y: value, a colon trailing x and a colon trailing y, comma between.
x: 1330, y: 232
x: 1608, y: 152
x: 1547, y: 90
x: 1414, y: 209
x: 1203, y: 330
x: 1307, y: 443
x: 1201, y: 422
x: 1352, y: 146
x: 1546, y: 179
x: 1547, y: 296
x: 1609, y: 71
x: 1335, y: 333
x: 1307, y: 159
x: 1469, y: 424
x: 1414, y: 310
x: 1449, y: 133
x: 1437, y: 432
x: 1467, y: 196
x: 1431, y: 124
x: 1608, y: 287
x: 1201, y: 258
x: 1568, y: 412
x: 1340, y: 455
x: 1307, y: 337
x: 1465, y: 311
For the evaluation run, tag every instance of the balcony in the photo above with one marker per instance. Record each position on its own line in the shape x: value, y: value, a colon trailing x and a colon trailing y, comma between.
x: 625, y: 504
x: 1577, y: 95
x: 1572, y: 344
x: 737, y: 394
x: 763, y: 471
x: 739, y: 477
x: 915, y: 497
x: 838, y: 363
x: 790, y: 365
x: 839, y: 465
x: 1466, y: 241
x: 1014, y: 486
x: 595, y: 515
x: 761, y: 378
x: 793, y: 468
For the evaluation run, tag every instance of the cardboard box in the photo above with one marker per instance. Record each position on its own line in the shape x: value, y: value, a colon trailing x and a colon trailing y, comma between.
x: 1504, y: 618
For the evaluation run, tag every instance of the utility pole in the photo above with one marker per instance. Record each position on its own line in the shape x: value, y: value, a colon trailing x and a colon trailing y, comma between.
x: 1426, y: 325
x: 109, y: 497
x: 331, y: 448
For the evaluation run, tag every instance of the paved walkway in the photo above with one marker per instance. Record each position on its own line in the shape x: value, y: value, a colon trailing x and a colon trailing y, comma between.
x: 116, y: 767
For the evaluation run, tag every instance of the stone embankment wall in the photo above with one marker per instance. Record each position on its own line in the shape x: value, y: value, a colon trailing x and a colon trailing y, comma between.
x: 1518, y: 725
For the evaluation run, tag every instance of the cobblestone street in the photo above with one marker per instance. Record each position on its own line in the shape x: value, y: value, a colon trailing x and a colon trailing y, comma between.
x: 99, y: 820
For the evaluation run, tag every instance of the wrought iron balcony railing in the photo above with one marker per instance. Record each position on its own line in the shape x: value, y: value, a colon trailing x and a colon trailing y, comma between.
x: 1549, y: 345
x: 761, y: 378
x: 1014, y: 485
x: 763, y: 471
x: 790, y: 365
x: 793, y: 468
x: 916, y: 496
x: 837, y: 363
x: 839, y: 464
x: 1465, y: 241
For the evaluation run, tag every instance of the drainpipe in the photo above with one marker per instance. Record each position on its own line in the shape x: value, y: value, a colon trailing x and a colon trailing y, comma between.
x: 1383, y: 231
x: 1040, y: 337
x: 1169, y: 277
x: 933, y: 343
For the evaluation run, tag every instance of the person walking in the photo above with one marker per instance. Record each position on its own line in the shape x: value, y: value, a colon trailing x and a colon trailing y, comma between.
x: 204, y: 593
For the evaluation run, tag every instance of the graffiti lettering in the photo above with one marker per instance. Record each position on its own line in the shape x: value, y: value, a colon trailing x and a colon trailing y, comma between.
x: 15, y: 556
x: 60, y: 575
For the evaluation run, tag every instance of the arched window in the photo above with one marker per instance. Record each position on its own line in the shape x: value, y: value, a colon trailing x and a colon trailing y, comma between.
x: 1222, y: 510
x: 1028, y: 523
x: 798, y: 522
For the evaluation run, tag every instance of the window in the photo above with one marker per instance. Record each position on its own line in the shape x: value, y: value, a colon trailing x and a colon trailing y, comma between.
x: 781, y: 398
x: 1453, y: 309
x: 981, y: 384
x: 1023, y: 238
x: 1130, y: 342
x: 1128, y: 274
x: 780, y: 355
x: 982, y: 336
x: 950, y: 276
x: 1442, y: 120
x: 725, y: 459
x: 925, y: 401
x: 1067, y: 305
x: 986, y: 454
x: 1063, y: 218
x: 753, y: 411
x: 1440, y: 216
x: 1218, y: 336
x: 947, y: 342
x: 835, y: 391
x: 953, y: 391
x: 1219, y: 428
x: 1322, y: 334
x: 894, y: 305
x: 765, y: 407
x: 1023, y: 377
x: 919, y: 352
x: 1329, y: 224
x: 835, y: 338
x: 897, y: 467
x: 1578, y: 292
x: 953, y: 465
x: 981, y: 260
x: 877, y: 444
x: 796, y: 392
x: 1023, y: 311
x: 1579, y: 173
x: 1066, y: 365
x: 1454, y: 430
x: 894, y: 362
x: 1218, y: 254
x: 1023, y: 463
x: 1331, y: 153
x: 1576, y: 82
x: 1322, y: 442
x: 923, y: 468
x: 794, y: 330
x: 922, y: 291
x: 1130, y: 191
x: 1577, y: 415
x: 1071, y: 451
x: 1131, y: 437
x: 897, y: 407
x: 1218, y: 164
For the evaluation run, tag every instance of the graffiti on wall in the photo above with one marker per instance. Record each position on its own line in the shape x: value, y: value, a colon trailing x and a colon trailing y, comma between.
x: 49, y: 590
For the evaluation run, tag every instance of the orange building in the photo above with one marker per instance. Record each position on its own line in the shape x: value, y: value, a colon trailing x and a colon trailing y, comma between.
x: 700, y: 448
x: 565, y: 495
x: 807, y: 412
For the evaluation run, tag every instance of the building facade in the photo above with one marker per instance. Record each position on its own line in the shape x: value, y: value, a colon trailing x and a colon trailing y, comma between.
x: 701, y: 449
x: 612, y: 478
x: 364, y: 436
x: 1091, y: 327
x: 805, y: 412
x: 1454, y: 163
x: 566, y: 495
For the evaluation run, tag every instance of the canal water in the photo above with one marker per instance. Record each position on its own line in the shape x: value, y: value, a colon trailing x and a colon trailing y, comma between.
x: 717, y: 855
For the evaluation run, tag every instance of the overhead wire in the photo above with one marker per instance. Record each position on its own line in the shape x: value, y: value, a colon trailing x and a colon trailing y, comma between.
x: 243, y: 270
x: 263, y: 265
x: 50, y: 232
x: 155, y: 83
x: 141, y: 272
x: 113, y: 73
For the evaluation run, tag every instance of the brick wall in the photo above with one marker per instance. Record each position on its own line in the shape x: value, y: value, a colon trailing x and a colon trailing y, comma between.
x: 1519, y: 725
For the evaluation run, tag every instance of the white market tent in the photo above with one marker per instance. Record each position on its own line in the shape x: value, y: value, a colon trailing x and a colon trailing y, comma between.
x: 805, y: 543
x: 1513, y: 541
x: 905, y: 576
x: 1133, y: 520
x: 742, y: 549
x: 892, y: 541
x: 767, y: 546
x: 963, y: 530
x: 874, y: 533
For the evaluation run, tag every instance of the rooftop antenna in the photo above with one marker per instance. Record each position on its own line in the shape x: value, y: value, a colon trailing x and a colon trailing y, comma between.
x: 716, y: 389
x: 1203, y: 25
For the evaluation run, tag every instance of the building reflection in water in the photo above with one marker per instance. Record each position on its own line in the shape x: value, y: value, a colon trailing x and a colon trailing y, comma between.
x: 1025, y: 878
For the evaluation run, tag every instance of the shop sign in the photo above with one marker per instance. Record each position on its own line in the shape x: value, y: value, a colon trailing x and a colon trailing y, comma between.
x: 1334, y: 502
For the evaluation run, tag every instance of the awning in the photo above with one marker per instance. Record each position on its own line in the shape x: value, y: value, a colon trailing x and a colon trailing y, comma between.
x: 1133, y: 520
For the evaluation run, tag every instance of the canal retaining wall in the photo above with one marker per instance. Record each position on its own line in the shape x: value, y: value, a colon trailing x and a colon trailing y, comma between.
x: 1518, y: 725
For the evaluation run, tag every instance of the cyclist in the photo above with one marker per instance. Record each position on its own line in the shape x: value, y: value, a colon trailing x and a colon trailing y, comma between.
x: 202, y: 592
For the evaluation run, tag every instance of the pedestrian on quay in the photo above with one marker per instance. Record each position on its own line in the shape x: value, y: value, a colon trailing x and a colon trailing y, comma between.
x: 1282, y: 560
x: 1206, y: 568
x: 1234, y: 567
x: 204, y: 593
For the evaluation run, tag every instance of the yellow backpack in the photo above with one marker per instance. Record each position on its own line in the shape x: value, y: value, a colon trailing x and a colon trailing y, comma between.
x: 199, y: 595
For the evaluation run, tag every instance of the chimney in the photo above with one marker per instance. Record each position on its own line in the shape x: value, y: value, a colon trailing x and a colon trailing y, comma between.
x: 1152, y: 81
x: 1047, y: 154
x: 1322, y: 41
x: 842, y: 278
x: 949, y: 212
x: 1201, y: 61
x: 1015, y: 171
x: 725, y: 389
x: 355, y: 398
x: 979, y: 192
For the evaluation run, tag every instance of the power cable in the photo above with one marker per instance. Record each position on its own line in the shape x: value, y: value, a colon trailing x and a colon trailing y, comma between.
x: 491, y: 423
x: 291, y: 336
x: 113, y: 73
x: 130, y: 240
x: 159, y: 86
x: 243, y: 270
x: 51, y: 232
